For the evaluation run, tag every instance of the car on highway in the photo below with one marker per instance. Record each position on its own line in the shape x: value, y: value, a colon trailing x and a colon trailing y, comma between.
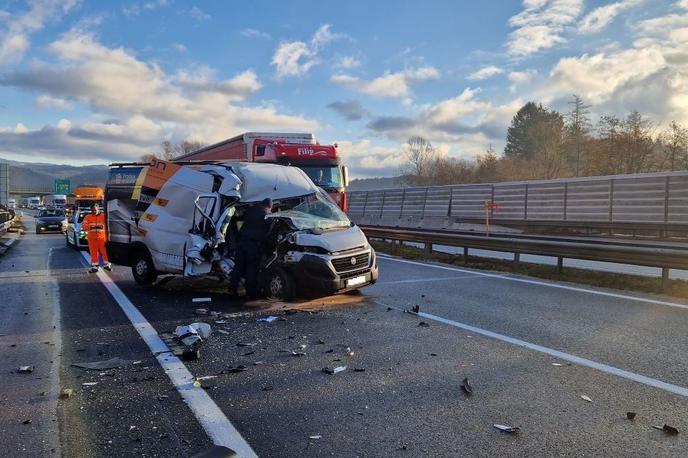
x: 75, y: 236
x: 51, y: 220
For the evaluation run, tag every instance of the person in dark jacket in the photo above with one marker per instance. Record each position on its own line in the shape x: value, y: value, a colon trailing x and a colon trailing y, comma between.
x: 249, y: 248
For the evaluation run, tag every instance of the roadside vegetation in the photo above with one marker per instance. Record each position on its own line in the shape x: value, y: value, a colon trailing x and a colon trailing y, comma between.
x: 676, y: 288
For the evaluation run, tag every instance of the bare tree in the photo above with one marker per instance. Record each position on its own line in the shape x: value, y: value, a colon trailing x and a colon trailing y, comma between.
x: 577, y: 132
x: 638, y: 142
x: 174, y: 150
x: 420, y: 156
x: 675, y: 146
x: 487, y: 167
x: 148, y: 157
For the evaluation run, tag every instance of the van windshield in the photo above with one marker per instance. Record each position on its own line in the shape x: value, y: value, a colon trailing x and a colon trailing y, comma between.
x: 316, y: 211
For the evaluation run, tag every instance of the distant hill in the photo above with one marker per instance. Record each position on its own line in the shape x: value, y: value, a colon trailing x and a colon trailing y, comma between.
x: 26, y: 175
x: 369, y: 184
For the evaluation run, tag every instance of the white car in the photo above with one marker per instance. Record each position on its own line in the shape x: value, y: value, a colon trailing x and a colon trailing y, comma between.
x: 75, y: 236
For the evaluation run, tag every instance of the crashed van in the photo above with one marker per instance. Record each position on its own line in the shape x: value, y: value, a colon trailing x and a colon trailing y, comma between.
x: 183, y: 219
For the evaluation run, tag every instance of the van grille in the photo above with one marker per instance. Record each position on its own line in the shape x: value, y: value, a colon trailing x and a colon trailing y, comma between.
x: 345, y: 263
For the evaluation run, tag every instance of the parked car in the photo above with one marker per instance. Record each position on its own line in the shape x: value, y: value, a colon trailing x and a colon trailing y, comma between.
x: 75, y: 236
x: 51, y: 220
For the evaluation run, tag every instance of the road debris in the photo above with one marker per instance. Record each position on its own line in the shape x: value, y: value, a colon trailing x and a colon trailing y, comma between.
x: 586, y: 398
x: 267, y: 319
x: 466, y: 386
x: 234, y: 370
x: 246, y: 344
x: 334, y: 370
x: 192, y: 335
x: 25, y: 369
x: 201, y: 299
x: 201, y: 311
x: 111, y: 363
x: 507, y: 428
x: 89, y: 384
x: 191, y: 355
x: 359, y: 369
x: 667, y: 429
x: 26, y: 422
x: 557, y: 364
x: 630, y: 415
x: 297, y: 353
x: 423, y: 324
x: 66, y: 393
x: 223, y: 331
x: 315, y: 437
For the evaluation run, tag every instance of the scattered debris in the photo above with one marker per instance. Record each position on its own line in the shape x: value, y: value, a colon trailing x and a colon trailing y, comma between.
x: 359, y: 369
x: 267, y: 319
x: 196, y: 383
x: 26, y: 422
x: 201, y: 299
x: 298, y: 353
x: 234, y: 370
x: 223, y: 331
x: 267, y: 388
x: 66, y: 393
x: 466, y: 386
x: 192, y: 335
x: 89, y: 384
x: 320, y: 342
x: 667, y: 429
x: 191, y: 355
x: 201, y: 311
x: 557, y: 364
x: 248, y: 353
x: 246, y: 344
x: 415, y: 309
x: 25, y: 369
x: 111, y: 363
x: 630, y: 415
x: 335, y: 370
x: 315, y: 437
x: 507, y: 428
x: 586, y: 398
x: 433, y: 354
x: 221, y: 322
x: 258, y: 363
x: 207, y: 377
x: 423, y: 324
x: 389, y: 309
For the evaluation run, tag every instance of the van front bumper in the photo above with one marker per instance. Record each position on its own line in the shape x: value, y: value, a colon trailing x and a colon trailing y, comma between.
x: 315, y: 274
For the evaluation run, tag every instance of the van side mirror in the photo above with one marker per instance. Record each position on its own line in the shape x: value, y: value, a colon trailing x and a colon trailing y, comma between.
x: 345, y: 176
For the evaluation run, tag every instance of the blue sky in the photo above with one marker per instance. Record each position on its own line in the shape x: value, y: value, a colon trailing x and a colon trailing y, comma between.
x: 92, y: 82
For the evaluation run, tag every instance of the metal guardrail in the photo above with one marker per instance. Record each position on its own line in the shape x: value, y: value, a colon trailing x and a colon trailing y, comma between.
x: 664, y: 255
x: 649, y: 201
x: 5, y: 222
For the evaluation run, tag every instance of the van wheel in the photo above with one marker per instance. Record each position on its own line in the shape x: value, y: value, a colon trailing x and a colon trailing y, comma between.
x: 142, y: 269
x: 279, y: 285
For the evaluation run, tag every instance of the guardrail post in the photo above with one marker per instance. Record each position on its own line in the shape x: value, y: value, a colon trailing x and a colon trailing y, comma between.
x: 663, y: 232
x: 465, y: 255
x: 428, y: 248
x: 566, y: 199
x: 517, y: 258
x: 665, y: 279
x: 525, y: 203
x: 560, y: 264
x: 425, y: 202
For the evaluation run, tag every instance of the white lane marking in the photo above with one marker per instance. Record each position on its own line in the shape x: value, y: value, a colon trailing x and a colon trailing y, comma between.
x: 540, y: 283
x: 676, y: 389
x: 56, y: 339
x: 214, y: 422
x: 422, y: 280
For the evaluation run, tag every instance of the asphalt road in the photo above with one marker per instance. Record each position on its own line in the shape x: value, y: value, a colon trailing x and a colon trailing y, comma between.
x: 400, y: 394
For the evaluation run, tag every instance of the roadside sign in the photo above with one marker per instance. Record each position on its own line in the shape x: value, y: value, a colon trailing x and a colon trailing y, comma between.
x: 62, y: 186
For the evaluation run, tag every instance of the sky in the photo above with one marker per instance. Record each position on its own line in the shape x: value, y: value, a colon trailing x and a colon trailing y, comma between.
x: 93, y: 82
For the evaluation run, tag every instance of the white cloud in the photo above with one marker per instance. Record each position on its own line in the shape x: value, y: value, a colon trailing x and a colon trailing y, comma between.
x: 48, y: 101
x: 485, y: 73
x: 365, y: 159
x: 136, y: 104
x: 254, y: 33
x: 520, y: 78
x: 541, y: 24
x: 599, y: 18
x: 14, y: 40
x: 180, y: 48
x: 296, y: 58
x: 390, y: 84
x: 347, y: 62
x: 198, y: 14
x: 137, y: 8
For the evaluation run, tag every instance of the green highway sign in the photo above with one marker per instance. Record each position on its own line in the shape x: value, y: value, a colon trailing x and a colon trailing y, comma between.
x: 62, y: 187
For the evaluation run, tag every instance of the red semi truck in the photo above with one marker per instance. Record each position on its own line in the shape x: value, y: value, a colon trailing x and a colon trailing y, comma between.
x: 320, y: 162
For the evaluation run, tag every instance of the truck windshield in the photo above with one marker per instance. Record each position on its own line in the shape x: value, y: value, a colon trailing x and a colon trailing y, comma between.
x: 316, y: 211
x: 327, y: 176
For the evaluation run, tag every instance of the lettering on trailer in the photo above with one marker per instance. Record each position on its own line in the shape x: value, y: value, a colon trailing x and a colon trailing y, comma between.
x: 310, y: 152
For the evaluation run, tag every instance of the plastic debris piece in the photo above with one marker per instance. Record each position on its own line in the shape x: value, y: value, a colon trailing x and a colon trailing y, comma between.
x: 248, y: 353
x: 192, y: 335
x: 334, y: 370
x: 66, y: 393
x: 415, y: 308
x: 234, y: 370
x: 298, y: 353
x: 315, y: 437
x: 191, y: 355
x: 359, y: 369
x: 111, y: 363
x: 433, y: 354
x: 89, y: 384
x: 246, y: 344
x: 223, y: 331
x: 25, y: 369
x: 507, y: 428
x: 206, y: 377
x: 201, y: 311
x: 466, y: 386
x: 221, y: 322
x: 667, y: 429
x: 267, y: 319
x: 201, y: 299
x: 630, y: 415
x: 267, y: 388
x: 196, y: 383
x: 423, y: 324
x: 258, y: 363
x: 586, y: 398
x: 557, y: 364
x: 26, y: 422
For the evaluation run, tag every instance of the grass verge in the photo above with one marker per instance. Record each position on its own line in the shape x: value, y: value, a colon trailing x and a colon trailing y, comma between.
x: 676, y: 288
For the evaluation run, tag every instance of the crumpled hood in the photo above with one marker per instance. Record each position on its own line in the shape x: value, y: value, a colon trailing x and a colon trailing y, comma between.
x: 333, y: 241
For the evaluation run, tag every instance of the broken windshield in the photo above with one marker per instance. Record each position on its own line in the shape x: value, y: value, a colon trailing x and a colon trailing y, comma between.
x: 316, y: 211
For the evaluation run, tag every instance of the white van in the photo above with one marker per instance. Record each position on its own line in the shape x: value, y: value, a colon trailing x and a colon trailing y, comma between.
x: 169, y: 218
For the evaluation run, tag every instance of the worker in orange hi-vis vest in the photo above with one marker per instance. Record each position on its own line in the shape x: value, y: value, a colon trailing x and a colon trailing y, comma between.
x: 94, y: 225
